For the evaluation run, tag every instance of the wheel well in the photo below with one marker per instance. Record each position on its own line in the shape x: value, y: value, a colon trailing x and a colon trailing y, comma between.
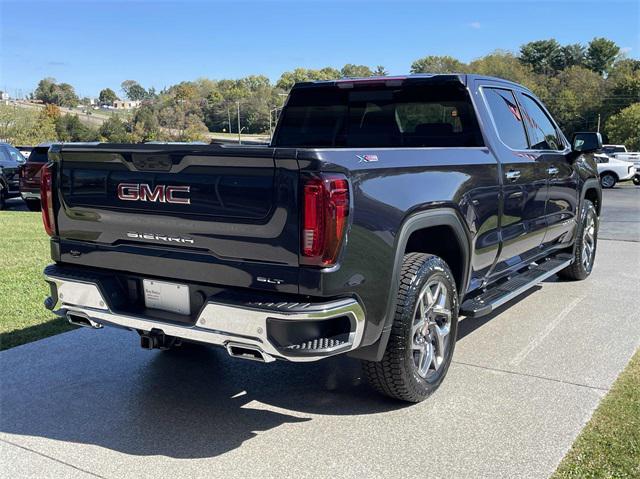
x: 443, y: 242
x: 592, y: 195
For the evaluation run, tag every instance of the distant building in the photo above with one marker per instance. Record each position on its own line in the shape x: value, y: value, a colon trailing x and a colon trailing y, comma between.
x: 126, y: 104
x: 4, y: 95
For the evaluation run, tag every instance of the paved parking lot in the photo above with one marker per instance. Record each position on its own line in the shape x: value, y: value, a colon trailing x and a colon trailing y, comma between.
x: 524, y: 382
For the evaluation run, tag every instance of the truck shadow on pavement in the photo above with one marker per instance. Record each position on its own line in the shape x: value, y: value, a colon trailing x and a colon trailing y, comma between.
x: 195, y: 403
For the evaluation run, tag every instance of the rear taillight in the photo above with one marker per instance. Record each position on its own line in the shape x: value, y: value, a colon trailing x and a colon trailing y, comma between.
x: 325, y: 213
x: 46, y: 199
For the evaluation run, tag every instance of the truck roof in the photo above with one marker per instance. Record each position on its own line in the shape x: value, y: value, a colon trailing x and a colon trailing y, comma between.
x: 463, y: 78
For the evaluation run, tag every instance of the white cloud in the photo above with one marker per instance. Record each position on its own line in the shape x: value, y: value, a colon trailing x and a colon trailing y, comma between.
x: 475, y: 25
x: 625, y: 49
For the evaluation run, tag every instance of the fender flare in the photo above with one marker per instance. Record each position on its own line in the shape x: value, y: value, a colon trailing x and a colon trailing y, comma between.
x: 591, y: 184
x: 418, y: 221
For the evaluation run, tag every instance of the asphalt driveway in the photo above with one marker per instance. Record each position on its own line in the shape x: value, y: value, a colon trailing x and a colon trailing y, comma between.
x: 524, y: 382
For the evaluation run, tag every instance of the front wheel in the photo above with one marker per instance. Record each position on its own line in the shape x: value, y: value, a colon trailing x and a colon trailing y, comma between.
x: 586, y: 241
x: 423, y: 334
x: 636, y: 180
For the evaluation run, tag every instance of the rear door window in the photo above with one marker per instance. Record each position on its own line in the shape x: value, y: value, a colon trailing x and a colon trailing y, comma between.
x: 507, y: 117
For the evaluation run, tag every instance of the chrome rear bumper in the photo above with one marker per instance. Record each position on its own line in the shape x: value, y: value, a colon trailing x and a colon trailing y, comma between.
x: 217, y: 324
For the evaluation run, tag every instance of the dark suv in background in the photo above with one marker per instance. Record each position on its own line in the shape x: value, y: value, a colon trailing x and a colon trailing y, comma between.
x: 10, y: 161
x: 30, y: 177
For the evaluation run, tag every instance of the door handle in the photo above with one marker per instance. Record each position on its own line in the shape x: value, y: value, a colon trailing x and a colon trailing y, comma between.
x: 513, y: 175
x: 553, y: 170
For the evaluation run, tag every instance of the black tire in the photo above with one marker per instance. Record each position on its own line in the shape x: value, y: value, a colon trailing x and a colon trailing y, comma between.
x: 3, y: 201
x: 608, y: 180
x: 582, y: 265
x: 33, y: 205
x: 636, y: 180
x: 397, y: 375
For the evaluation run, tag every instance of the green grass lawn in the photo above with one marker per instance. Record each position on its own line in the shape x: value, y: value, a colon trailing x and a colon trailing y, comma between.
x: 24, y: 252
x: 609, y: 446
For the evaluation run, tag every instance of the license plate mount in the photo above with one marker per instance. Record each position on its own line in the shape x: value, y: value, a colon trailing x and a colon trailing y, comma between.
x: 172, y: 297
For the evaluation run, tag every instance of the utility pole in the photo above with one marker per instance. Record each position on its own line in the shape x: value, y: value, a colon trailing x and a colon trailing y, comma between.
x: 229, y: 117
x: 598, y: 122
x: 239, y: 138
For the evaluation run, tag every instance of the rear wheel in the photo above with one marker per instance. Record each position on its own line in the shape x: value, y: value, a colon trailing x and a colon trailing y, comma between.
x: 636, y: 180
x: 608, y: 180
x: 423, y: 333
x: 586, y: 242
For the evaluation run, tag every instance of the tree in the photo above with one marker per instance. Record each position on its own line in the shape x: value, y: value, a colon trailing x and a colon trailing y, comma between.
x: 505, y: 65
x: 70, y: 128
x: 543, y: 56
x: 114, y: 130
x: 288, y: 79
x: 623, y: 85
x: 133, y: 90
x: 144, y: 125
x: 575, y: 98
x: 601, y: 55
x: 63, y: 94
x: 107, y: 96
x: 380, y: 71
x: 355, y: 71
x: 573, y: 55
x: 624, y: 127
x: 438, y: 64
x: 25, y: 126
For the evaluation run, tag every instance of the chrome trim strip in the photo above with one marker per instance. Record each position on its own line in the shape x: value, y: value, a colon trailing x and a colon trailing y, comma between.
x: 218, y: 324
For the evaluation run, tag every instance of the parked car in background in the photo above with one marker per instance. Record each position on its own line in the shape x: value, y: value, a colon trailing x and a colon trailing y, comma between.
x: 619, y: 152
x: 10, y: 161
x: 25, y: 150
x: 612, y: 170
x: 30, y: 177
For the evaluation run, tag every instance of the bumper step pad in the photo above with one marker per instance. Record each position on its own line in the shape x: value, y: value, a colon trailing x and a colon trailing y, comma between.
x: 316, y: 344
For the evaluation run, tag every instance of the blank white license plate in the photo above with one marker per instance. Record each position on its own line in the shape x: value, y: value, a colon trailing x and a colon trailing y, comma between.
x: 166, y: 296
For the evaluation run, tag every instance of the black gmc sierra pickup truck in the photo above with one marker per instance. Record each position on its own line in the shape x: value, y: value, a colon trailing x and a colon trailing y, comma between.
x: 383, y: 209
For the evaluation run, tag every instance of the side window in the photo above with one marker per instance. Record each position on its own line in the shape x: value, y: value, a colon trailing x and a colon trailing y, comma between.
x: 16, y: 155
x: 507, y: 117
x: 541, y: 130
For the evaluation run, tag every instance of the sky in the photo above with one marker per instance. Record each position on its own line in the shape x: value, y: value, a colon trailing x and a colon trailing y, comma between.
x: 98, y: 44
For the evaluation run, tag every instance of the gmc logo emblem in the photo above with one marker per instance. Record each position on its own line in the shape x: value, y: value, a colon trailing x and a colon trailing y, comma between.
x: 160, y: 194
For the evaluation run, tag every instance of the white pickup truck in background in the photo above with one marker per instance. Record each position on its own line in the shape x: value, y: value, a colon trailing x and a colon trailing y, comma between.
x: 619, y: 152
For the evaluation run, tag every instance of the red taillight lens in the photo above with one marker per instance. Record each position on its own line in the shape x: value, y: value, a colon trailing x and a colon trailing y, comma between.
x: 325, y: 212
x: 46, y: 200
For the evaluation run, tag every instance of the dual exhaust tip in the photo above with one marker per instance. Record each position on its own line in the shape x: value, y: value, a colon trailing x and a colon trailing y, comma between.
x: 246, y: 351
x: 81, y: 319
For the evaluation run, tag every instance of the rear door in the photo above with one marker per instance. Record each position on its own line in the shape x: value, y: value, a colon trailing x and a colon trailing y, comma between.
x: 204, y: 213
x: 524, y: 181
x: 550, y: 148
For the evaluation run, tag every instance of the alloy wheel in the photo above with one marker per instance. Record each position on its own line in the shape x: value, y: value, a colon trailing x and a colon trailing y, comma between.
x: 589, y: 241
x: 431, y: 327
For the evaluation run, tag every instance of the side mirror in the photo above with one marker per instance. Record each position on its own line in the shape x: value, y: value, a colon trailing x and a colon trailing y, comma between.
x: 586, y: 142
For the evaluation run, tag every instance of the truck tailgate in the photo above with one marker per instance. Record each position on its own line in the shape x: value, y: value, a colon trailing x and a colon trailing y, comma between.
x: 151, y: 209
